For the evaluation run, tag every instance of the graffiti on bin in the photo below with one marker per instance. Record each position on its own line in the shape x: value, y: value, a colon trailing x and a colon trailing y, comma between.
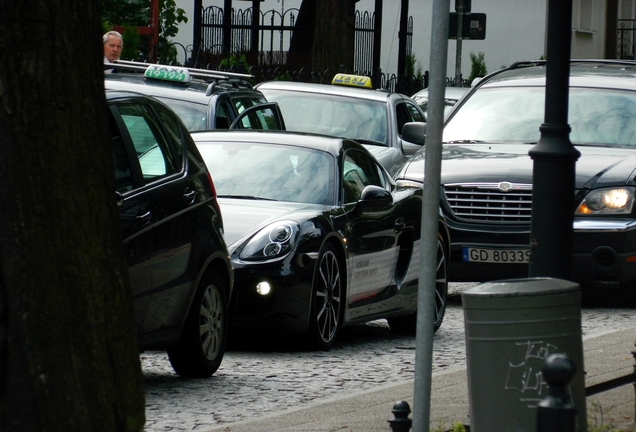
x: 524, y: 375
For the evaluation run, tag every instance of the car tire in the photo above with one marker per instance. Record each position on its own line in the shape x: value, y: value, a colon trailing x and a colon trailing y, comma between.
x: 328, y: 298
x: 407, y: 324
x: 202, y: 346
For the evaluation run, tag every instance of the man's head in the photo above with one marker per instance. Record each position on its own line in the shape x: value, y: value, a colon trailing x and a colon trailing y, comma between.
x: 113, y: 43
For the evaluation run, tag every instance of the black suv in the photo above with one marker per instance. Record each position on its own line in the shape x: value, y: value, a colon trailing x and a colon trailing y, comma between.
x: 204, y: 99
x: 178, y: 264
x: 487, y: 173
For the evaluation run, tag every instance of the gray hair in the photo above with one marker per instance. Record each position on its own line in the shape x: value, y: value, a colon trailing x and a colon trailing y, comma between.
x: 112, y: 33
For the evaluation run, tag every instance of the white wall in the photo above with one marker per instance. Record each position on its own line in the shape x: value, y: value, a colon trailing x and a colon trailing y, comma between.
x: 515, y: 30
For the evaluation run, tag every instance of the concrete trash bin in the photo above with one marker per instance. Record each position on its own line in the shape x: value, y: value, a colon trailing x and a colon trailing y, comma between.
x: 511, y: 327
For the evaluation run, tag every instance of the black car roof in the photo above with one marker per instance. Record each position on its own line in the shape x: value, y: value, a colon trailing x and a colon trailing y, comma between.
x: 325, y: 143
x: 583, y: 73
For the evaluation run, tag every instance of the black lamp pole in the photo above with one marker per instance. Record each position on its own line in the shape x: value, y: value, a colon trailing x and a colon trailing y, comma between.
x: 554, y: 158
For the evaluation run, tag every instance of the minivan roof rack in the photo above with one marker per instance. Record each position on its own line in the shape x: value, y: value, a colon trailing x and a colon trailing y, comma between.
x: 199, y: 73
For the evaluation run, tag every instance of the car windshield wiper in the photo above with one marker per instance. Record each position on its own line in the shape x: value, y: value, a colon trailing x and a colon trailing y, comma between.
x: 249, y: 197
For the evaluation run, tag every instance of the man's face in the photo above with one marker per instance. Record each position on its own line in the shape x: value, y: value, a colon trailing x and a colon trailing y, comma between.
x: 112, y: 48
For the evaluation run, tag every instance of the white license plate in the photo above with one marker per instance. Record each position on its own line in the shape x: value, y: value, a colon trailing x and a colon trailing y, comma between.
x: 497, y: 256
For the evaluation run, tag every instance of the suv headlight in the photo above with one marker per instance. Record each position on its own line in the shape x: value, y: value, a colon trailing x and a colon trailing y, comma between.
x: 273, y: 241
x: 607, y: 201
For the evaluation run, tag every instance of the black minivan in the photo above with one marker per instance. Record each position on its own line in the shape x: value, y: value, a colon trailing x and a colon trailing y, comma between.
x: 179, y: 269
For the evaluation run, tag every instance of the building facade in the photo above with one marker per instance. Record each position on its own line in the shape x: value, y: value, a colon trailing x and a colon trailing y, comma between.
x: 515, y: 30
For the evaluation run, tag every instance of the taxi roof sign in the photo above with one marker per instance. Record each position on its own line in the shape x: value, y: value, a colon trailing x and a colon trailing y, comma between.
x: 168, y: 73
x: 352, y: 80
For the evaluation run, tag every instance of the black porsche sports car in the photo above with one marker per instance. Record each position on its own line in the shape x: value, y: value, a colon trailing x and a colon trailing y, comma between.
x: 319, y: 234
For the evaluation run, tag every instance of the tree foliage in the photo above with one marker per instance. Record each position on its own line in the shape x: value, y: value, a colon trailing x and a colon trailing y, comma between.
x: 477, y: 66
x: 136, y: 13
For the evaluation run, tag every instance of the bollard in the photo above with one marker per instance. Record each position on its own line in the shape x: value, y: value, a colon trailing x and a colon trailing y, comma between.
x: 556, y: 412
x: 401, y: 422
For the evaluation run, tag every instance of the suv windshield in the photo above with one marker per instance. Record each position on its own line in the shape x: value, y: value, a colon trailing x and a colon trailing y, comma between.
x: 357, y: 119
x: 596, y: 116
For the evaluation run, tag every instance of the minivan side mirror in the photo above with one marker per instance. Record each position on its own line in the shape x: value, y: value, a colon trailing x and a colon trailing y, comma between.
x: 414, y: 132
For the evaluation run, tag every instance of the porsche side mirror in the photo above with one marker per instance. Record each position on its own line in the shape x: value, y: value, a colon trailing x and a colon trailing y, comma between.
x: 373, y: 197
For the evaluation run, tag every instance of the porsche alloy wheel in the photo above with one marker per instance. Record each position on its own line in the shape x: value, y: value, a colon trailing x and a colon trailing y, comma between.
x: 441, y: 284
x: 327, y: 306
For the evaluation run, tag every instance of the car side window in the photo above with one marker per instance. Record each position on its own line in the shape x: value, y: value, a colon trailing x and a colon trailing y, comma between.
x: 174, y: 135
x: 153, y: 151
x: 414, y: 113
x: 259, y: 119
x: 121, y: 163
x: 221, y: 119
x: 244, y: 102
x: 402, y: 115
x: 359, y: 171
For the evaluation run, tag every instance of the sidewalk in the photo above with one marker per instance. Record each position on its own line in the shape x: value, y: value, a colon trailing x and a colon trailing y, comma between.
x: 606, y: 356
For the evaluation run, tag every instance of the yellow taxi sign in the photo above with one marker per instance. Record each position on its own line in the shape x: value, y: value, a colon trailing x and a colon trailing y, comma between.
x: 352, y: 80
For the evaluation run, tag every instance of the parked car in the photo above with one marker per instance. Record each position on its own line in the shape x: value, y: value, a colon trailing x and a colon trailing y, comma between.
x: 487, y: 174
x: 319, y: 234
x: 349, y: 108
x: 204, y: 99
x: 451, y: 96
x: 180, y: 273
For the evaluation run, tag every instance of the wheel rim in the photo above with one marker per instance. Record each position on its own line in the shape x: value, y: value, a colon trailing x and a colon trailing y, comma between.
x: 211, y: 322
x: 328, y: 297
x: 441, y: 285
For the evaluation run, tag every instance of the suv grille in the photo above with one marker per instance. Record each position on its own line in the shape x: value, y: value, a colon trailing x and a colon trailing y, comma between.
x: 490, y: 202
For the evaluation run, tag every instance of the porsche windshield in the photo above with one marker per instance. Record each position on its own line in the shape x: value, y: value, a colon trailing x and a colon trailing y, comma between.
x: 596, y: 116
x: 271, y: 172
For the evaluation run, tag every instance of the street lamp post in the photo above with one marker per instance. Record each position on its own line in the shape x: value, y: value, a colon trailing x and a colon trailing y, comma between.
x: 554, y: 158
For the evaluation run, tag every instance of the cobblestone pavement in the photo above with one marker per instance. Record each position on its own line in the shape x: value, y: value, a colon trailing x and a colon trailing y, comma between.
x: 272, y: 374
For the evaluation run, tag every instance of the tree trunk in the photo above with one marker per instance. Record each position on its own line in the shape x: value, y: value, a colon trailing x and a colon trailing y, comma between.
x: 334, y: 35
x: 302, y: 40
x: 68, y: 354
x: 324, y: 35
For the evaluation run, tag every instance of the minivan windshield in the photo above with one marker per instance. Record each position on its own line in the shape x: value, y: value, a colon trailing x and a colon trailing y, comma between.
x: 357, y: 119
x: 515, y: 114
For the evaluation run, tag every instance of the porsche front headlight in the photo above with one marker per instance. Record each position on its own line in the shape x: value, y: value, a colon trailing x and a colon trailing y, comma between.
x: 617, y: 201
x: 274, y: 241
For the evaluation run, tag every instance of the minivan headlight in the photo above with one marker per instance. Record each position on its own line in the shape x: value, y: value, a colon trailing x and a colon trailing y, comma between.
x: 607, y: 201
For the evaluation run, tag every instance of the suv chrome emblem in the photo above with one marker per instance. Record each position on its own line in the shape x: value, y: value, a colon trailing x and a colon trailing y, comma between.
x: 504, y: 186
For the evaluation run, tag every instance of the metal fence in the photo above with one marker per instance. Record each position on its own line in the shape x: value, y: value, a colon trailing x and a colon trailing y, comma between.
x: 265, y: 45
x: 274, y: 31
x: 365, y: 34
x: 626, y: 43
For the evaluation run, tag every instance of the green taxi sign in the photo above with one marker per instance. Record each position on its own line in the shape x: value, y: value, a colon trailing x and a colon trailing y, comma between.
x: 167, y: 73
x: 352, y: 80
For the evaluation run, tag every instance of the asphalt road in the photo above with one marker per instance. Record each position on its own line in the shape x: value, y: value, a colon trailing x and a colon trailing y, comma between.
x: 273, y: 373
